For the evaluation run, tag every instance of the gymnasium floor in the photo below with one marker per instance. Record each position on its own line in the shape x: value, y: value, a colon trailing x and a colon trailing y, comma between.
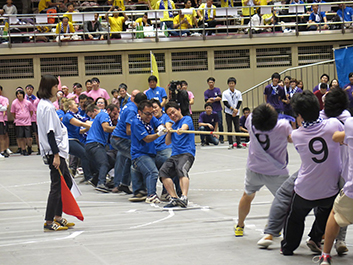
x: 116, y: 231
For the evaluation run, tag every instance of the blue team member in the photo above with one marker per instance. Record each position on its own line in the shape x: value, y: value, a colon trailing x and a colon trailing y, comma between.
x: 182, y: 158
x: 155, y: 91
x: 121, y: 141
x: 143, y: 149
x: 97, y: 139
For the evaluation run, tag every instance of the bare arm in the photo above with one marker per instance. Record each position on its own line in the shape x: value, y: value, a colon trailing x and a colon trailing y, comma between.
x: 164, y: 101
x: 150, y: 138
x: 128, y: 129
x: 107, y: 128
x: 79, y: 123
x: 338, y: 136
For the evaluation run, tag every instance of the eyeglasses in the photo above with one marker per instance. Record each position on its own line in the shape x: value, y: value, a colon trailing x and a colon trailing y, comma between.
x: 148, y: 113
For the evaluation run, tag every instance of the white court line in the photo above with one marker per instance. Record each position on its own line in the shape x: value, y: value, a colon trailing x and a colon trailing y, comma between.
x: 171, y: 214
x: 28, y: 184
x: 214, y: 171
x: 73, y: 235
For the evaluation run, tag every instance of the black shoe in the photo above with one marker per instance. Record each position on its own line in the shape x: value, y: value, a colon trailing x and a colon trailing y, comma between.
x: 173, y: 203
x: 124, y: 188
x: 222, y: 141
x: 29, y: 150
x: 203, y: 144
x: 93, y: 182
x: 5, y: 154
x: 24, y: 153
x: 19, y: 151
x: 102, y: 188
x: 38, y: 153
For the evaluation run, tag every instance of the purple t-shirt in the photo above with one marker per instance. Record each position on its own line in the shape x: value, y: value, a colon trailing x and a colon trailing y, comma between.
x: 320, y: 169
x: 212, y: 119
x: 349, y: 94
x: 274, y: 143
x: 242, y: 121
x: 273, y: 96
x: 348, y: 128
x: 215, y: 92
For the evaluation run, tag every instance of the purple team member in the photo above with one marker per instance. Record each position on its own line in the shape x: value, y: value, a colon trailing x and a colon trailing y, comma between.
x: 242, y: 120
x: 349, y: 90
x: 208, y: 121
x: 274, y: 93
x: 318, y: 176
x: 323, y: 80
x: 269, y: 158
x: 213, y: 95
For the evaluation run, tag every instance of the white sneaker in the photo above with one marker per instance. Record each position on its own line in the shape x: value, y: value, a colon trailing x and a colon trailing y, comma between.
x: 9, y: 151
x: 152, y: 199
x: 2, y: 157
x: 265, y: 241
x: 341, y: 247
x: 165, y: 197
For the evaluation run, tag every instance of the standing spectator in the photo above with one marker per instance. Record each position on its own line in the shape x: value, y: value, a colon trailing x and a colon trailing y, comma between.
x: 232, y: 101
x: 213, y: 95
x: 115, y: 99
x: 96, y: 91
x: 9, y: 8
x: 274, y: 93
x: 4, y: 104
x: 184, y: 86
x: 289, y: 92
x: 323, y: 80
x: 155, y: 91
x: 320, y: 94
x: 88, y: 85
x: 208, y: 121
x: 77, y: 90
x: 22, y: 111
x: 116, y: 22
x: 349, y: 90
x: 34, y: 129
x: 248, y: 10
x: 91, y: 28
x: 334, y: 84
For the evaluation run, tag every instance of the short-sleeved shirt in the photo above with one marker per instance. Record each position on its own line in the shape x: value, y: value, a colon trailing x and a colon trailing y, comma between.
x: 160, y: 141
x: 247, y: 7
x: 213, y: 93
x: 73, y: 131
x: 192, y: 15
x: 317, y: 17
x: 48, y: 121
x: 3, y: 114
x: 274, y: 95
x: 274, y: 143
x: 348, y: 128
x: 22, y: 109
x: 64, y: 30
x: 232, y: 98
x: 348, y: 13
x: 34, y: 100
x: 126, y: 116
x: 191, y: 96
x: 320, y: 170
x: 69, y: 15
x: 166, y: 5
x: 156, y: 93
x: 290, y: 92
x: 176, y: 21
x: 99, y: 93
x: 206, y: 11
x: 96, y: 132
x: 184, y: 143
x: 43, y: 4
x: 349, y: 94
x: 242, y: 121
x: 227, y: 3
x: 119, y: 3
x: 116, y: 24
x: 212, y: 119
x: 74, y: 97
x: 60, y: 113
x: 138, y: 132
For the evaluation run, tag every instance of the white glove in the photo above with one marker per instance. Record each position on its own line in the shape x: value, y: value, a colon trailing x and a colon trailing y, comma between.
x: 161, y: 130
x: 3, y: 108
x: 161, y: 127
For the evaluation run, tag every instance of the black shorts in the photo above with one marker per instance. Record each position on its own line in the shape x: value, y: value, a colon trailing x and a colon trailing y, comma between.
x: 23, y: 132
x: 2, y: 128
x: 177, y: 166
x: 34, y: 127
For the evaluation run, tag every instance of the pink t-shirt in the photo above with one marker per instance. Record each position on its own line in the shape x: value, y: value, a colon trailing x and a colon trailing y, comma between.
x: 99, y: 93
x: 191, y: 95
x: 35, y: 104
x: 72, y: 95
x: 274, y: 143
x: 56, y: 104
x: 3, y: 114
x: 348, y: 128
x: 22, y: 111
x: 320, y: 169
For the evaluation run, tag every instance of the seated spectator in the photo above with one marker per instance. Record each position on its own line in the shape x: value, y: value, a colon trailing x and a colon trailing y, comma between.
x: 9, y: 8
x: 270, y: 19
x: 320, y: 93
x: 248, y: 10
x: 167, y: 15
x: 301, y: 19
x: 193, y: 15
x: 142, y: 21
x: 348, y: 14
x: 242, y: 120
x: 182, y: 23
x: 44, y: 5
x: 208, y: 16
x: 324, y: 78
x: 208, y: 121
x: 101, y: 103
x: 116, y: 22
x: 63, y: 28
x: 316, y: 19
x: 93, y: 26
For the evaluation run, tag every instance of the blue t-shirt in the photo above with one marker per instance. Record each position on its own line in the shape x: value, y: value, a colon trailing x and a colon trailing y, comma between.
x: 127, y: 114
x: 184, y: 143
x: 60, y: 113
x: 156, y: 93
x: 273, y: 96
x: 160, y: 141
x: 96, y: 132
x: 82, y: 112
x: 348, y: 13
x: 319, y: 17
x: 212, y: 119
x: 138, y: 131
x: 72, y: 130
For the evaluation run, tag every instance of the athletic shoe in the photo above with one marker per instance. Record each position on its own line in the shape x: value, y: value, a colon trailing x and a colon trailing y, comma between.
x: 19, y: 151
x: 230, y: 147
x: 265, y: 241
x: 2, y: 157
x: 238, y: 231
x: 93, y: 182
x: 4, y: 154
x: 125, y: 189
x: 64, y: 222
x: 152, y: 199
x: 325, y: 260
x: 174, y: 202
x: 314, y: 247
x: 341, y: 247
x: 29, y: 150
x: 9, y: 151
x: 102, y: 188
x: 54, y: 226
x: 24, y: 153
x: 183, y: 201
x: 165, y: 197
x: 139, y: 197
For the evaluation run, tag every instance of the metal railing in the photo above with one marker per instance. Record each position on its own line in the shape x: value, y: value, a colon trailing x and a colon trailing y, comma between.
x: 308, y: 74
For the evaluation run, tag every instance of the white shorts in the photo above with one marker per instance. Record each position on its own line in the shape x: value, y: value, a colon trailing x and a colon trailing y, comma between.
x: 255, y: 181
x: 343, y: 209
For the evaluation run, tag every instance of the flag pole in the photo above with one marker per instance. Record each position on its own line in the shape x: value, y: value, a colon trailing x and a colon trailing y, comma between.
x: 151, y: 62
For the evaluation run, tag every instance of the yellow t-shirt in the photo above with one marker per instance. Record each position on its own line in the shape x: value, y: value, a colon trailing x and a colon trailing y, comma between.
x: 191, y: 16
x: 116, y: 24
x: 209, y: 17
x: 69, y: 15
x: 139, y: 21
x: 166, y: 13
x: 43, y: 4
x: 245, y: 11
x: 176, y: 20
x: 225, y: 3
x: 119, y: 3
x: 154, y: 4
x: 58, y: 28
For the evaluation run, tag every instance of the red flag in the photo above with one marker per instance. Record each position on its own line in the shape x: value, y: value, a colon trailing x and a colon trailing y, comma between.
x: 69, y: 203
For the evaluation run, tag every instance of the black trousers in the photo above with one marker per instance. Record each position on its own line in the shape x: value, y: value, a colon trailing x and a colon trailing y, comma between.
x: 295, y: 223
x: 54, y: 204
x: 230, y: 121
